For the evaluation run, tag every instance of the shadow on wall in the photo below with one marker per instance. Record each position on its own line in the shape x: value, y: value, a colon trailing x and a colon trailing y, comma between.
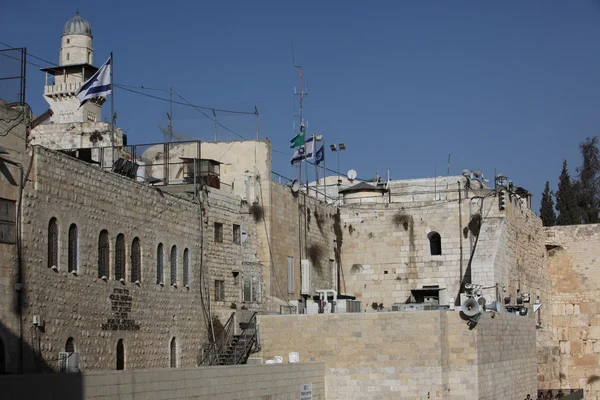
x: 46, y: 385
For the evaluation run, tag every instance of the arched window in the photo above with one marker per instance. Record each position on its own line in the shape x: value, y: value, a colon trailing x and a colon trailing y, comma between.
x: 103, y: 254
x: 174, y: 265
x: 160, y: 264
x: 73, y: 248
x: 120, y: 355
x: 173, y: 354
x: 136, y: 261
x: 89, y: 57
x: 120, y: 257
x: 70, y: 345
x: 67, y: 56
x: 186, y: 268
x: 435, y: 243
x: 2, y: 358
x: 53, y: 243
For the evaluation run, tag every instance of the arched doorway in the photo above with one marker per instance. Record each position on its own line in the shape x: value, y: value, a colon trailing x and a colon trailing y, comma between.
x: 120, y: 355
x: 70, y: 345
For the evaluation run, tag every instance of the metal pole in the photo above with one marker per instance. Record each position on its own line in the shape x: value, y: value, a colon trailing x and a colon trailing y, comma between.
x: 170, y: 114
x: 112, y: 109
x: 324, y: 174
x: 215, y: 115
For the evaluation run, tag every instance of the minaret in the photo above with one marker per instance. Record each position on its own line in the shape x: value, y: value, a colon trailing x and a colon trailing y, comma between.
x: 75, y: 67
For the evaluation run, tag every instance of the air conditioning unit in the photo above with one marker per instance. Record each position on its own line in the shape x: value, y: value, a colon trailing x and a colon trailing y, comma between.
x: 305, y: 276
x: 68, y: 362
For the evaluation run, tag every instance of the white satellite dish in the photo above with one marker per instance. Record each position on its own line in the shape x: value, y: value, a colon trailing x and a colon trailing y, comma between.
x: 351, y: 175
x: 295, y: 186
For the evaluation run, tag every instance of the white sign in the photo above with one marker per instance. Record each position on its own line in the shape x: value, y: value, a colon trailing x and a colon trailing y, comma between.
x: 306, y: 391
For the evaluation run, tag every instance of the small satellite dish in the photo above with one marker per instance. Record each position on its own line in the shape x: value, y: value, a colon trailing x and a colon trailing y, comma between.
x: 352, y: 175
x: 478, y: 173
x: 295, y: 186
x: 465, y: 172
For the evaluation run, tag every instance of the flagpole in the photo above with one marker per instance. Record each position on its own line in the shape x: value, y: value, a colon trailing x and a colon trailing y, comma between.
x: 316, y: 173
x: 112, y: 108
x: 324, y: 174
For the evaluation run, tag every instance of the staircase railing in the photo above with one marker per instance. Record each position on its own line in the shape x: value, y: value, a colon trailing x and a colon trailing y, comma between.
x: 213, y: 350
x: 249, y: 341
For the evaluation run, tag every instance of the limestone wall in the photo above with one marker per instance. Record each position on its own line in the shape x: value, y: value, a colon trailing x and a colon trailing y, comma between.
x: 410, y: 355
x: 282, y: 381
x: 574, y: 269
x: 98, y: 313
x: 315, y: 240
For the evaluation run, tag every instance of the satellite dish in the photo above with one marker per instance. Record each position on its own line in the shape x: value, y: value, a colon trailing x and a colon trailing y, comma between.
x: 478, y: 173
x: 351, y: 175
x: 466, y: 172
x: 295, y: 186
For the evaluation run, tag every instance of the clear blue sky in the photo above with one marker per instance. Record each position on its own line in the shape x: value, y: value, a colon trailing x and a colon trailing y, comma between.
x: 512, y: 85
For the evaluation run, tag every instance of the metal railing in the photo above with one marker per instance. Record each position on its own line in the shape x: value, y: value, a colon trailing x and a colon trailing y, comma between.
x: 214, y: 349
x: 250, y: 342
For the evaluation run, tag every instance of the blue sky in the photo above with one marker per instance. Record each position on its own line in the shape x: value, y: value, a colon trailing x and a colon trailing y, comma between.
x: 511, y: 85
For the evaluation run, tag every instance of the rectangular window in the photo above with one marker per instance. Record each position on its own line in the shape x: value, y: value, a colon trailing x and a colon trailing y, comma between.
x: 290, y: 274
x: 8, y: 219
x: 219, y: 290
x: 218, y: 232
x: 237, y: 234
x: 247, y: 289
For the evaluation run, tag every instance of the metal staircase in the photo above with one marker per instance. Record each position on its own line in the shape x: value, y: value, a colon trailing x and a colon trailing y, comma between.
x: 232, y: 349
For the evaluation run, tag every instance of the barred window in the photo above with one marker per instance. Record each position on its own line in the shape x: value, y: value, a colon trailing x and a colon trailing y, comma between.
x: 218, y: 232
x: 173, y: 353
x: 73, y: 248
x: 237, y: 234
x: 120, y: 257
x: 103, y: 254
x: 174, y: 265
x: 53, y: 243
x: 219, y: 290
x: 160, y: 264
x: 136, y: 261
x: 8, y: 221
x: 186, y: 268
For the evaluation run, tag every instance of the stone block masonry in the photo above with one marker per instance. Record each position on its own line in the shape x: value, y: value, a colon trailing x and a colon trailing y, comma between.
x: 411, y: 355
x: 259, y: 382
x: 78, y: 307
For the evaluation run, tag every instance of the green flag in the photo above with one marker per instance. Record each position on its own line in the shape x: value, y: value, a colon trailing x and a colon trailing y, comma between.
x: 298, y: 140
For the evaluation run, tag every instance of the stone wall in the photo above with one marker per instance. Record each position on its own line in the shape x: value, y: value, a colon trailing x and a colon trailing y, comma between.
x: 302, y: 228
x: 411, y: 355
x: 574, y: 269
x: 96, y: 313
x: 281, y: 381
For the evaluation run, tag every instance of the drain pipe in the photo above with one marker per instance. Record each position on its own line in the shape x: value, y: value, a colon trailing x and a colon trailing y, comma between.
x: 471, y: 216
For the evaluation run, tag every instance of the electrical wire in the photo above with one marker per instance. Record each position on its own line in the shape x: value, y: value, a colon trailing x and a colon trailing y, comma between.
x: 29, y: 54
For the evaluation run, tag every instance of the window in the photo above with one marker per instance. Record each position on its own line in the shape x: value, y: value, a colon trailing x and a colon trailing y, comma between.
x: 120, y: 257
x: 120, y: 355
x: 173, y: 353
x: 219, y: 290
x: 89, y: 57
x: 70, y: 345
x: 160, y: 264
x: 186, y: 268
x: 435, y: 243
x: 67, y: 56
x: 68, y: 41
x: 53, y: 243
x: 136, y: 261
x: 237, y: 234
x: 174, y: 265
x: 103, y: 254
x: 250, y: 289
x: 73, y: 249
x: 218, y: 232
x: 290, y: 274
x: 8, y: 221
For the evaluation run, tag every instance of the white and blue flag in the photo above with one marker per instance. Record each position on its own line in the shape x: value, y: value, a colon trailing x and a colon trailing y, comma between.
x: 99, y: 85
x: 305, y: 152
x: 320, y: 156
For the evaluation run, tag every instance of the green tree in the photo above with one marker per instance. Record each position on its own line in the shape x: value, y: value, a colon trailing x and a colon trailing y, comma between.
x: 586, y: 187
x: 566, y: 200
x: 547, y: 207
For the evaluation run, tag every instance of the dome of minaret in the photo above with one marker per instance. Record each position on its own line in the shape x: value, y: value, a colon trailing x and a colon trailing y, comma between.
x: 77, y: 26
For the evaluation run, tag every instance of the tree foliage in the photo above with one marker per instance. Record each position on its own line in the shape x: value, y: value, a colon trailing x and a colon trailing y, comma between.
x: 586, y: 187
x: 547, y: 213
x: 566, y: 199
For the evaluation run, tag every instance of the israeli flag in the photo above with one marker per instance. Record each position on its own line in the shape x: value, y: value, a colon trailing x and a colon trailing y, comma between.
x: 99, y: 85
x: 305, y: 152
